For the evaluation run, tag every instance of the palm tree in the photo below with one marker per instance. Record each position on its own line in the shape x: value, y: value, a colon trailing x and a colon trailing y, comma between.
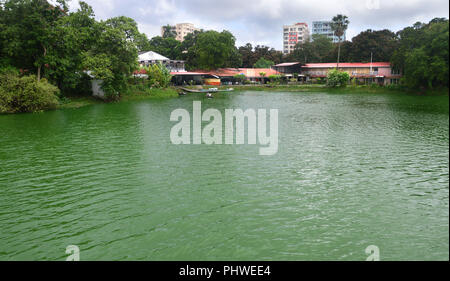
x: 169, y: 31
x: 339, y: 25
x: 262, y: 74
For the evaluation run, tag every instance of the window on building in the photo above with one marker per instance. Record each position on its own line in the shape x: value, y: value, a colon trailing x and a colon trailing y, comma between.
x: 395, y: 71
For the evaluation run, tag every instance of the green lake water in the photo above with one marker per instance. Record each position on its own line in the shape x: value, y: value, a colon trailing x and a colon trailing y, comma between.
x: 352, y: 170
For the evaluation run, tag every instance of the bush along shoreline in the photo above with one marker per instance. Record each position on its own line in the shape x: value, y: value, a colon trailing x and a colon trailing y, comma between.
x: 21, y: 94
x: 26, y: 94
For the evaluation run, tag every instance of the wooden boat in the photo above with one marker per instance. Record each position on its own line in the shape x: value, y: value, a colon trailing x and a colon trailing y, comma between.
x: 211, y: 90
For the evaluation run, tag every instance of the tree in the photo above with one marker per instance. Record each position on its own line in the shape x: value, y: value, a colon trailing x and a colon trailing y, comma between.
x: 336, y: 78
x: 315, y: 51
x: 112, y: 59
x: 129, y: 27
x: 76, y: 35
x: 247, y: 55
x: 168, y: 47
x: 262, y: 74
x: 211, y: 50
x: 169, y: 32
x: 339, y: 25
x: 422, y: 55
x: 28, y: 26
x: 381, y: 44
x: 158, y: 75
x: 235, y: 59
x: 263, y: 63
x: 240, y: 78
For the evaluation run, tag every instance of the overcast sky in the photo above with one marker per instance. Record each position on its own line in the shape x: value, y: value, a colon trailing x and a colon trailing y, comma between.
x: 261, y: 21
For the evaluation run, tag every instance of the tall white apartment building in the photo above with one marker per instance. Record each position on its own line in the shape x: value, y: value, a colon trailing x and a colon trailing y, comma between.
x: 294, y: 34
x: 324, y: 28
x: 182, y: 30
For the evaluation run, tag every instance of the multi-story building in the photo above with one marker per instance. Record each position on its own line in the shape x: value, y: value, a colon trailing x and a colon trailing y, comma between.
x: 294, y: 34
x: 182, y: 29
x: 324, y: 28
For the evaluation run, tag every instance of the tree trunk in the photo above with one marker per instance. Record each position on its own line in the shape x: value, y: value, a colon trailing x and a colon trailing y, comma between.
x: 339, y: 53
x: 40, y: 66
x: 39, y: 73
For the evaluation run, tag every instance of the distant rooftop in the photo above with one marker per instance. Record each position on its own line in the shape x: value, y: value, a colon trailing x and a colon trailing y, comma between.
x: 152, y: 56
x: 347, y: 64
x: 287, y: 64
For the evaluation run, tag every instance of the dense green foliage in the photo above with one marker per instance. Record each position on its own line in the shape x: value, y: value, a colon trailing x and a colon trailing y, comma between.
x: 252, y: 55
x: 169, y: 31
x: 200, y: 49
x: 263, y: 63
x: 240, y: 78
x: 318, y: 50
x: 422, y: 54
x: 336, y: 78
x: 275, y: 79
x: 212, y: 50
x: 48, y: 41
x: 158, y: 76
x: 27, y: 33
x: 26, y: 94
x: 380, y: 44
x: 168, y: 47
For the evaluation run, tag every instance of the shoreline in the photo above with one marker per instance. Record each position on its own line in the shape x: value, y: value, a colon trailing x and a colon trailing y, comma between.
x: 172, y: 92
x: 74, y: 102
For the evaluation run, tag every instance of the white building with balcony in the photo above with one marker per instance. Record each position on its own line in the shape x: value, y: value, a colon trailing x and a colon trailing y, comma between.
x: 294, y: 34
x: 324, y: 28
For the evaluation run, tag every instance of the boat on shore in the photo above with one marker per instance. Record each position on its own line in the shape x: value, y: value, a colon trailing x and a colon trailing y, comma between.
x: 211, y: 90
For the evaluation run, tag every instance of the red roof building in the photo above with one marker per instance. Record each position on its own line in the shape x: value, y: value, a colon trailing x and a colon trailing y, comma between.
x: 380, y: 72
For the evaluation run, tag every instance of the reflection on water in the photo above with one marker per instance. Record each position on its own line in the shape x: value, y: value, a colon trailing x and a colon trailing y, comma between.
x: 351, y: 171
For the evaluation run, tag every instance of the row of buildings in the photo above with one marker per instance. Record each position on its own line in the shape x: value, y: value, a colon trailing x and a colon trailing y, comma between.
x: 300, y: 33
x: 380, y: 73
x: 364, y: 73
x: 367, y: 73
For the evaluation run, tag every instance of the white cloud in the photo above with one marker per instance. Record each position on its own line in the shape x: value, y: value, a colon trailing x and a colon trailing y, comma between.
x: 260, y: 21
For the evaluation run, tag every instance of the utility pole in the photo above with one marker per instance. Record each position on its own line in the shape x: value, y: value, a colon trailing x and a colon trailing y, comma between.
x: 371, y: 62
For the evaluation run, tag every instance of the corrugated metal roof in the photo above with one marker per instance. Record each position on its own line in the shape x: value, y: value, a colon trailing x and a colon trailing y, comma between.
x: 287, y: 64
x: 347, y: 64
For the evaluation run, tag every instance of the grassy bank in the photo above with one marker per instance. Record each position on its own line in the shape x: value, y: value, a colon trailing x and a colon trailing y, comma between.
x: 130, y: 95
x: 155, y: 93
x: 323, y: 88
